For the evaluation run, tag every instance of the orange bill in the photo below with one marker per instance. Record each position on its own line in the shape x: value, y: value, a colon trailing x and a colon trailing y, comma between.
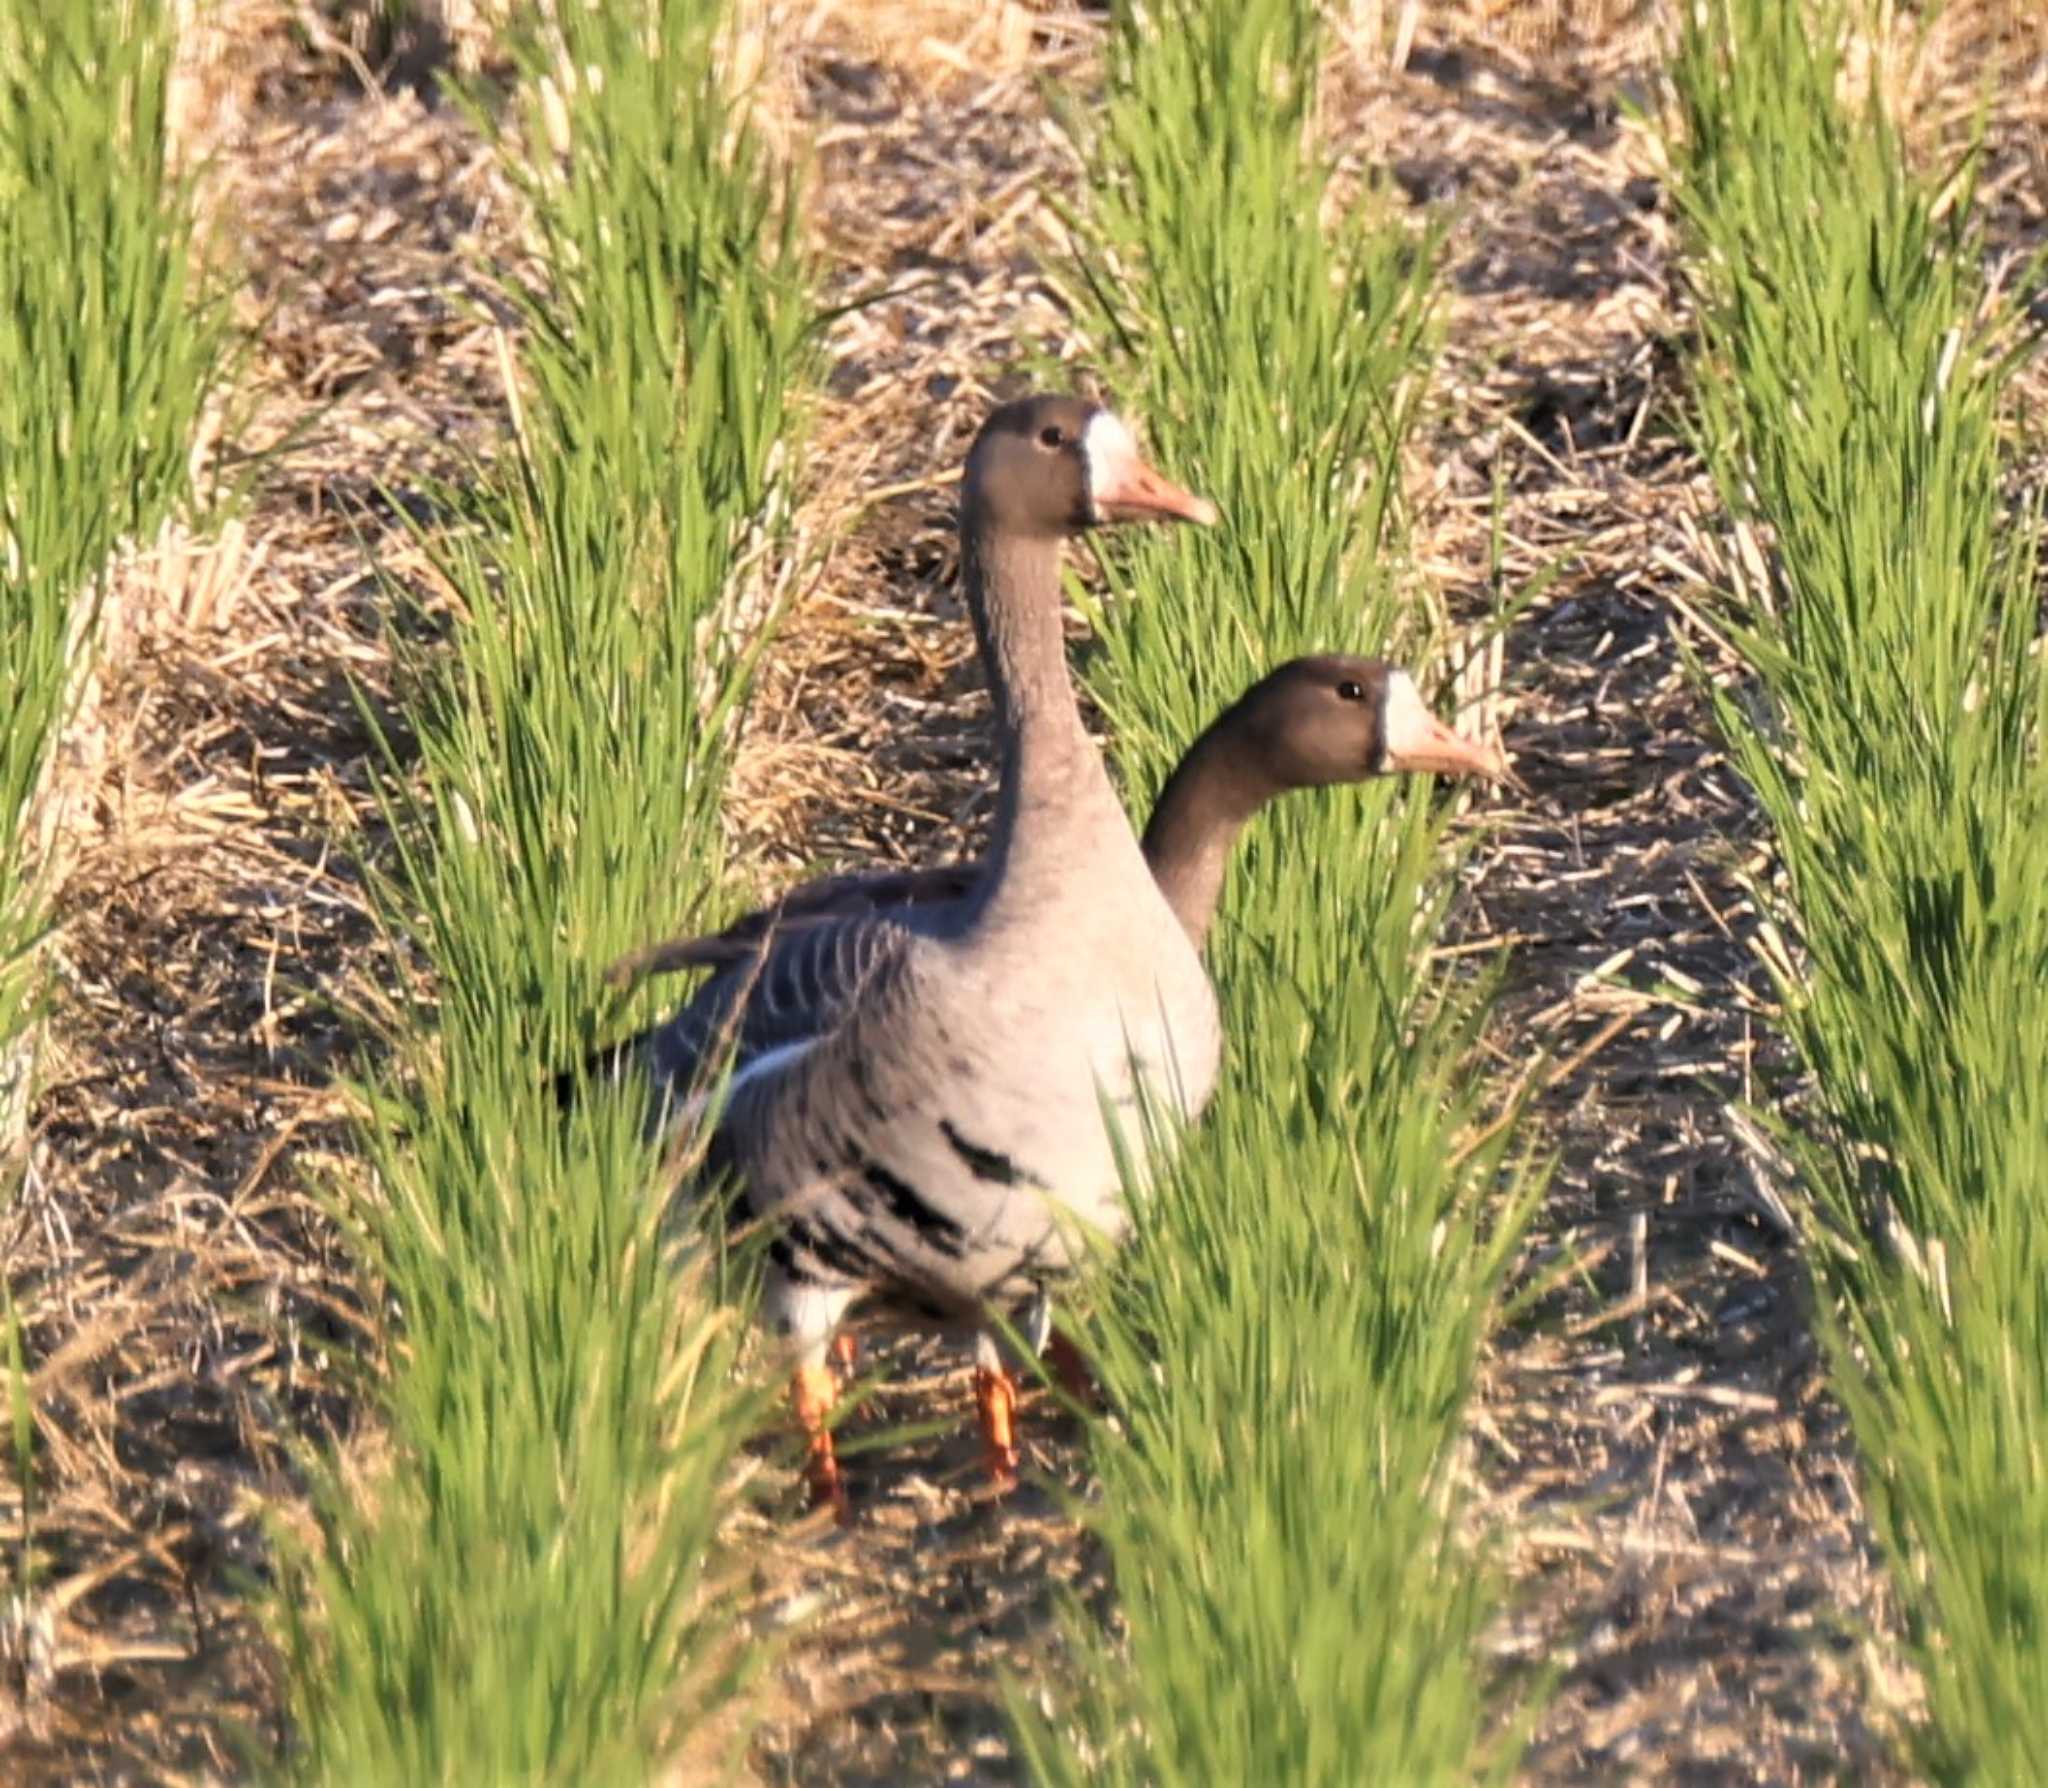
x: 1132, y: 491
x: 1417, y: 742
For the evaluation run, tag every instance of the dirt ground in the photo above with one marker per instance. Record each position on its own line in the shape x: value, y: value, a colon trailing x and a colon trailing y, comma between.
x: 1655, y: 1445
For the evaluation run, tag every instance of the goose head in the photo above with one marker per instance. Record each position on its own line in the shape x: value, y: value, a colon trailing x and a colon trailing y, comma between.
x: 1335, y: 718
x: 1050, y: 466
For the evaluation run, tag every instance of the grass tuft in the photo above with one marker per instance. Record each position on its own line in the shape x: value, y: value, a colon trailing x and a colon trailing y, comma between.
x: 1290, y: 1338
x: 1853, y: 369
x: 109, y: 352
x: 532, y: 1588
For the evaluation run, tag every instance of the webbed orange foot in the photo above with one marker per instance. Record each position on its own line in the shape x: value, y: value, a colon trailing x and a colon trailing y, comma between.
x: 812, y: 1394
x: 995, y: 1400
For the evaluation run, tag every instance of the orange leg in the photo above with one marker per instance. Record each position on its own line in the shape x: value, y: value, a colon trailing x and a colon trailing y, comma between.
x: 846, y: 1350
x: 812, y: 1395
x: 995, y: 1399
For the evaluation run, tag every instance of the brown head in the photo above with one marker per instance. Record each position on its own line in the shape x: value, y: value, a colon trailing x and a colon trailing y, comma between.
x: 1312, y: 722
x: 1334, y: 718
x: 1048, y: 466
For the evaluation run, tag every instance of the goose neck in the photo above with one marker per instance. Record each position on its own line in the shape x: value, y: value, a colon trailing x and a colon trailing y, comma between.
x: 1013, y: 584
x: 1056, y: 813
x: 1206, y: 804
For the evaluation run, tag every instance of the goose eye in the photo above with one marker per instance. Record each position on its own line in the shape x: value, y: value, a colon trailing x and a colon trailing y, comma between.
x: 1349, y: 691
x: 1052, y: 435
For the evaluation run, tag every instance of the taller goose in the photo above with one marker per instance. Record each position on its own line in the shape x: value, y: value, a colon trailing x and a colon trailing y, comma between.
x: 915, y: 1098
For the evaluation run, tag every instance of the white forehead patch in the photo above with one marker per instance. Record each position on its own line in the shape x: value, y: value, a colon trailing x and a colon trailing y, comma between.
x: 1108, y: 452
x: 1409, y: 726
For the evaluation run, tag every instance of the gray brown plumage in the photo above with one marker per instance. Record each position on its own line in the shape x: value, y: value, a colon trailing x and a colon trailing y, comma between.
x: 1314, y: 721
x: 915, y: 1097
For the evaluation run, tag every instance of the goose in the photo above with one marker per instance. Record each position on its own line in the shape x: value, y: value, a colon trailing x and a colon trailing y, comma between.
x: 1313, y: 722
x: 913, y: 1098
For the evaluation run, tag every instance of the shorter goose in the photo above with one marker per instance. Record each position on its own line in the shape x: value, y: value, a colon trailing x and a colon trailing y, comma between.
x: 1313, y: 722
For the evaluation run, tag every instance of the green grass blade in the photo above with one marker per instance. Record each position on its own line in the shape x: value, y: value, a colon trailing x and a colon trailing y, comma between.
x: 1289, y: 1341
x: 109, y: 352
x: 534, y: 1586
x: 1851, y: 383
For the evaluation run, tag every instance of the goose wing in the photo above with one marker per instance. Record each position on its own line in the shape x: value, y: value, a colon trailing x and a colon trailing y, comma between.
x: 762, y: 1013
x: 829, y: 901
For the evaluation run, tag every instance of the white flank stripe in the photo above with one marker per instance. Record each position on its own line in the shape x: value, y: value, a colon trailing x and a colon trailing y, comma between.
x: 769, y: 1061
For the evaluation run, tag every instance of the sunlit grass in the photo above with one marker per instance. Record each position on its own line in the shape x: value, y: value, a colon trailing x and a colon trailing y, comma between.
x: 1290, y: 1339
x: 531, y: 1589
x: 108, y: 353
x: 1853, y: 371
